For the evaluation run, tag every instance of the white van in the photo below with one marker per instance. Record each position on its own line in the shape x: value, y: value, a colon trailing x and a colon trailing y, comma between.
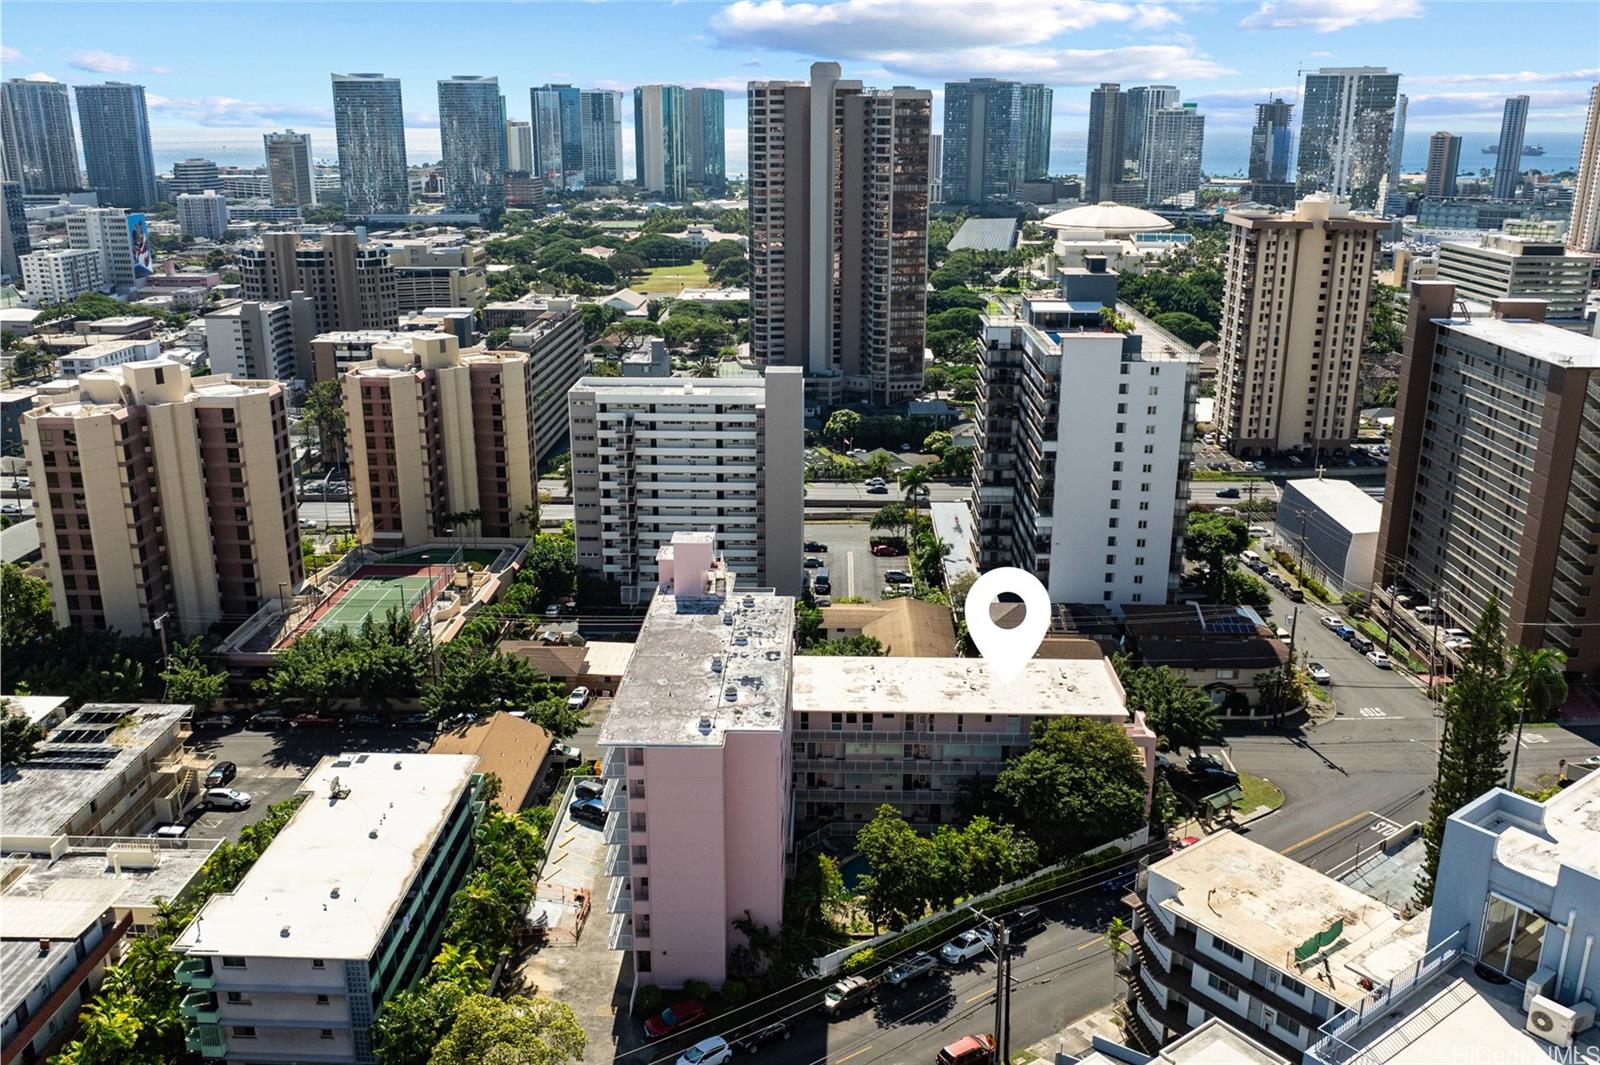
x: 1250, y: 556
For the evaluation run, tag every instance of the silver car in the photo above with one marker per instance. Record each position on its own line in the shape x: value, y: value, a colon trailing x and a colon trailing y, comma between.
x: 913, y: 967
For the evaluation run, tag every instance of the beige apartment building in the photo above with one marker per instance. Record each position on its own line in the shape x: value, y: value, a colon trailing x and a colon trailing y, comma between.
x: 439, y: 271
x: 839, y: 233
x: 1584, y: 233
x: 1294, y: 319
x: 652, y: 457
x: 352, y: 284
x: 436, y: 432
x: 160, y: 495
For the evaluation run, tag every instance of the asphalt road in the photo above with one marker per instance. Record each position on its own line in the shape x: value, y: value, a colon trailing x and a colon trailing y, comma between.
x: 852, y: 567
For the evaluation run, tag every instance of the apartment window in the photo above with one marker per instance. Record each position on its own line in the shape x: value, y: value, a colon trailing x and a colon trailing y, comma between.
x: 244, y: 1031
x: 238, y: 998
x: 318, y: 963
x: 1291, y: 985
x: 1287, y: 1024
x: 327, y: 1033
x: 1221, y: 986
x: 1222, y: 945
x: 231, y: 962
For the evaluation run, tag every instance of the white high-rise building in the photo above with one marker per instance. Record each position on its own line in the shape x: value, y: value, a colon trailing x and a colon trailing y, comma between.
x: 60, y: 275
x: 1172, y: 149
x: 203, y: 215
x: 1084, y: 439
x: 104, y: 231
x: 250, y: 339
x: 1584, y: 233
x: 600, y: 117
x: 936, y: 168
x: 655, y: 456
x: 661, y: 140
x: 519, y: 147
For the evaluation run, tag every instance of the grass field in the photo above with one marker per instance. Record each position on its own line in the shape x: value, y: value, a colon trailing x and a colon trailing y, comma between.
x: 670, y: 280
x: 1258, y: 791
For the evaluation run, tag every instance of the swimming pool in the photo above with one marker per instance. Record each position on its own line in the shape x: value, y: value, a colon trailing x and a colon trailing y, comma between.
x: 852, y: 869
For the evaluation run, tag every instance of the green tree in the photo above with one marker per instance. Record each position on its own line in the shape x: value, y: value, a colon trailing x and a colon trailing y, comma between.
x: 880, y: 464
x: 1281, y: 692
x: 512, y: 1031
x: 958, y: 296
x: 189, y: 680
x: 1385, y: 322
x: 732, y: 273
x: 848, y: 646
x: 551, y: 563
x: 1079, y: 784
x: 976, y: 858
x: 1183, y: 714
x: 1187, y: 328
x: 1215, y: 540
x: 480, y: 680
x: 596, y: 318
x: 25, y: 614
x: 960, y: 319
x: 1538, y: 682
x: 895, y: 893
x: 414, y: 1021
x: 1472, y: 755
x: 18, y: 735
x: 949, y: 345
x: 719, y: 252
x: 914, y: 483
x: 841, y: 427
x: 324, y: 409
x: 893, y: 518
x: 936, y: 442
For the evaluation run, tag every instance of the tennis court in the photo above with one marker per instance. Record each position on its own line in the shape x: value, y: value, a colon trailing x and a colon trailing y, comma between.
x: 375, y: 590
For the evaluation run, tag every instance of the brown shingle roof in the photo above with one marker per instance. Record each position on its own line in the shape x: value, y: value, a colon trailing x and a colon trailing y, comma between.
x: 512, y: 748
x: 907, y: 628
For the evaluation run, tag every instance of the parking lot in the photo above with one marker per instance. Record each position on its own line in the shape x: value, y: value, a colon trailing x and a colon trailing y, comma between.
x: 852, y: 567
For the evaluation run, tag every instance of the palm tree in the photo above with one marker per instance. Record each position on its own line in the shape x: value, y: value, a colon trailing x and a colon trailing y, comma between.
x: 914, y: 480
x: 705, y: 367
x: 1538, y: 679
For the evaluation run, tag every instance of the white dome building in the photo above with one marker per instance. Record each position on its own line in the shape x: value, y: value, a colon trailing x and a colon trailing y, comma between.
x: 1124, y: 234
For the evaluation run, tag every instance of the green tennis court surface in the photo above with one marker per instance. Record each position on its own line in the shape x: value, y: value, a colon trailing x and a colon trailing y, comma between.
x: 373, y: 593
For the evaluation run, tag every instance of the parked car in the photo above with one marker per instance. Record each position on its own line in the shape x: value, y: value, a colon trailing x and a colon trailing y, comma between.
x: 1024, y: 922
x: 896, y: 576
x: 674, y: 1017
x: 10, y: 508
x: 1227, y: 493
x: 553, y: 610
x: 1282, y: 633
x: 814, y: 545
x: 813, y: 562
x: 749, y: 1044
x: 1319, y: 673
x: 847, y: 994
x: 968, y: 1050
x: 1333, y: 622
x: 218, y: 721
x: 1454, y: 634
x: 565, y: 754
x: 221, y: 773
x: 1457, y: 644
x: 878, y: 489
x: 227, y: 799
x: 712, y: 1050
x: 1295, y: 595
x: 308, y: 523
x: 370, y: 719
x: 589, y: 810
x: 578, y: 699
x: 966, y: 946
x: 314, y: 719
x: 1361, y: 643
x: 268, y: 719
x: 883, y: 550
x: 920, y: 964
x: 1207, y: 767
x: 589, y: 788
x: 1379, y: 659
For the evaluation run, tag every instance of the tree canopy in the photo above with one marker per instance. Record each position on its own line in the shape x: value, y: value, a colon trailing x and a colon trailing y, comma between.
x: 511, y: 1031
x: 1079, y: 784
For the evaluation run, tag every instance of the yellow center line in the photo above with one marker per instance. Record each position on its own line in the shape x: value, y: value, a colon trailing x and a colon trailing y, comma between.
x: 1331, y: 828
x: 984, y: 994
x: 855, y: 1054
x: 1091, y: 943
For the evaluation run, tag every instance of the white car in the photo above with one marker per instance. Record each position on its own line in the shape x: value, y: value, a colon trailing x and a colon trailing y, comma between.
x: 578, y: 699
x: 1332, y: 622
x: 565, y: 752
x: 966, y: 946
x: 1283, y: 633
x: 1319, y: 673
x: 308, y: 523
x: 227, y: 798
x: 1459, y: 635
x: 553, y: 610
x: 1379, y: 659
x: 712, y: 1050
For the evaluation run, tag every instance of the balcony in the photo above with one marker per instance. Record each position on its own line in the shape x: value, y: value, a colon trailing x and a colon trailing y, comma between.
x: 612, y: 763
x: 207, y: 1041
x: 617, y: 862
x: 616, y: 830
x: 614, y: 800
x: 619, y: 899
x: 199, y: 1007
x: 621, y: 935
x: 196, y: 974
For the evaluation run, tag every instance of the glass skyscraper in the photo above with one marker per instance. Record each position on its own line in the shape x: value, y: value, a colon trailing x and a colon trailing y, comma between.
x: 982, y: 140
x: 1035, y: 132
x: 661, y: 140
x: 707, y: 158
x: 1346, y: 126
x: 1270, y: 140
x: 369, y: 124
x: 558, y: 135
x: 116, y: 144
x: 601, y: 134
x: 1508, y: 157
x: 41, y: 151
x: 472, y: 141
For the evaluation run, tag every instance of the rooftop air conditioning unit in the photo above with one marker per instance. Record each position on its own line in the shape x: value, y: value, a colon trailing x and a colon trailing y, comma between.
x: 1557, y: 1024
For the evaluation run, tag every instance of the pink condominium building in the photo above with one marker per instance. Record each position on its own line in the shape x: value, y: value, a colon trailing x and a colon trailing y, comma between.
x: 720, y: 742
x: 696, y: 762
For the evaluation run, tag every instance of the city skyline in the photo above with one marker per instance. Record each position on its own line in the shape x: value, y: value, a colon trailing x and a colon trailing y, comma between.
x: 1226, y: 66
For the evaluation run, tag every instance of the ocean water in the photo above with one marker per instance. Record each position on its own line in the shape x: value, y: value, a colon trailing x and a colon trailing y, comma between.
x: 1227, y: 151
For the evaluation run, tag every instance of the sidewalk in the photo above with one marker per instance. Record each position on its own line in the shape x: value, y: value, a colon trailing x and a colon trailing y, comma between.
x: 1077, y: 1038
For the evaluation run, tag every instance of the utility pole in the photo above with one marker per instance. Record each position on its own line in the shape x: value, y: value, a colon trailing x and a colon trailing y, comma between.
x: 1000, y: 988
x: 1288, y: 667
x: 1394, y: 590
x: 1005, y: 1043
x: 159, y: 623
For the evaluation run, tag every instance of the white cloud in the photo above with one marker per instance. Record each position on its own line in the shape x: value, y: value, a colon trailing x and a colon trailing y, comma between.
x: 38, y: 75
x: 1059, y: 66
x: 865, y: 28
x: 1548, y: 108
x: 1523, y: 76
x: 227, y: 112
x: 1327, y: 16
x: 11, y: 55
x: 97, y: 62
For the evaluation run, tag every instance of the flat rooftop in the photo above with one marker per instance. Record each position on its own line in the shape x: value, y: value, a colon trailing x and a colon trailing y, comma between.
x: 652, y: 389
x: 78, y: 759
x: 1344, y: 502
x: 1455, y: 1016
x: 703, y: 666
x: 1214, y: 1042
x: 1046, y: 688
x: 1570, y: 834
x: 1268, y: 906
x: 366, y: 847
x: 1537, y: 340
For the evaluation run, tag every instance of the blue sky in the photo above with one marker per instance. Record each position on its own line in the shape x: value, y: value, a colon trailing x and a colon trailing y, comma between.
x: 209, y: 83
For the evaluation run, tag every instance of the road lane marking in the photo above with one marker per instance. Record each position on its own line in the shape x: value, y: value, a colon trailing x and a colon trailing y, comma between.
x: 1384, y: 827
x: 1373, y: 711
x: 974, y: 998
x: 854, y: 1054
x: 1091, y: 943
x: 1531, y: 738
x: 1332, y: 828
x: 850, y: 572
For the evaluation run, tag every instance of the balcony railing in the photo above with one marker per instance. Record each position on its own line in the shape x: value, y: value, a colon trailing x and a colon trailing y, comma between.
x: 621, y: 937
x: 612, y: 763
x: 617, y: 862
x: 207, y: 1041
x: 196, y: 974
x: 616, y: 830
x: 619, y: 899
x: 200, y: 1007
x: 1334, y: 1049
x: 615, y: 797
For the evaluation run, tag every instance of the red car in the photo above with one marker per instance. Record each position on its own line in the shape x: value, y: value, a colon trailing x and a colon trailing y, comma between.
x: 672, y: 1018
x: 315, y: 719
x: 887, y: 550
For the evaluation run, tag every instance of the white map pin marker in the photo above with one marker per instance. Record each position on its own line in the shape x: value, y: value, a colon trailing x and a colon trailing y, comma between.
x: 1007, y: 651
